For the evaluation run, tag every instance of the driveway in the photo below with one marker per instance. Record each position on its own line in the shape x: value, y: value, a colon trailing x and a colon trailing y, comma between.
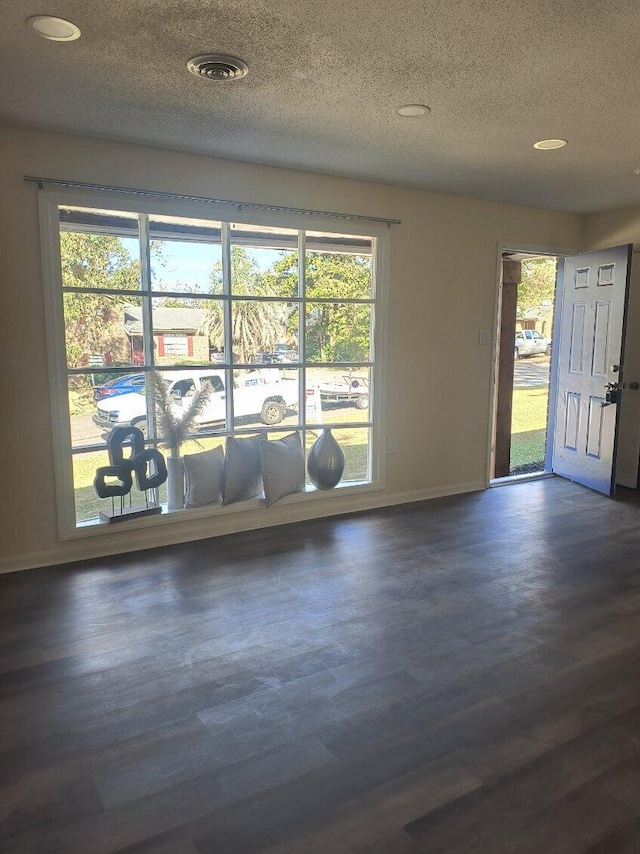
x: 531, y: 372
x: 84, y: 431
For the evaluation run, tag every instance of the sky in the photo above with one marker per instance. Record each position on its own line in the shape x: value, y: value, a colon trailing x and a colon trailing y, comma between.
x: 190, y: 263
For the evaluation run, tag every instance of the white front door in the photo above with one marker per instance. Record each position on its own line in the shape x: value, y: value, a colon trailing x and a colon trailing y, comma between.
x: 589, y: 356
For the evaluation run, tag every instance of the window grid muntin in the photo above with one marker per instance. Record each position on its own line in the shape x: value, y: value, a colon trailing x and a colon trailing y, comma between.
x: 146, y: 294
x: 198, y: 295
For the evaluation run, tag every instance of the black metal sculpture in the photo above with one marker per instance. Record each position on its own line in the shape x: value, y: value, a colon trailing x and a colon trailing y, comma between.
x: 148, y: 466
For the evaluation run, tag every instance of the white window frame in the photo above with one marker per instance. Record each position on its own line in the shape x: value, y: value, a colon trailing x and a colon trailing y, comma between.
x: 49, y: 201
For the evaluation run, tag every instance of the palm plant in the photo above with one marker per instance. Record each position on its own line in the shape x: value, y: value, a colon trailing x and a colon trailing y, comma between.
x: 256, y: 325
x: 175, y: 429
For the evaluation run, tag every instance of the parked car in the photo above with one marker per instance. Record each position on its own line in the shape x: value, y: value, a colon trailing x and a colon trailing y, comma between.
x: 277, y: 357
x: 530, y: 342
x: 119, y: 385
x: 261, y: 393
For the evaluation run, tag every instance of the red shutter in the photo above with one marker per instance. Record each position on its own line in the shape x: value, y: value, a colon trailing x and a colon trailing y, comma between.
x: 160, y: 345
x: 189, y: 345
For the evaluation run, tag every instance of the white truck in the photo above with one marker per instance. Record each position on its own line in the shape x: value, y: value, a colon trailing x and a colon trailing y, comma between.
x: 261, y: 393
x: 529, y: 342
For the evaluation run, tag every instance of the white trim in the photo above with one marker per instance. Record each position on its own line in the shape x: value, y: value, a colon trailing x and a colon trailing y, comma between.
x: 503, y: 247
x: 520, y: 478
x: 533, y: 249
x: 57, y: 358
x: 381, y: 279
x: 214, y: 513
x: 201, y: 529
x: 493, y: 380
x: 552, y: 403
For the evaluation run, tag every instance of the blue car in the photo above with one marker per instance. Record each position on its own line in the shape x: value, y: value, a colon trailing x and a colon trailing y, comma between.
x: 119, y: 385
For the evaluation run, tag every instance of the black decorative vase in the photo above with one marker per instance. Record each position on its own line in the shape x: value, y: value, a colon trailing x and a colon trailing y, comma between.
x: 325, y: 462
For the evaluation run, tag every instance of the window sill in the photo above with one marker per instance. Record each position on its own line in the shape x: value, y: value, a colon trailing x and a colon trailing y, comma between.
x: 94, y: 528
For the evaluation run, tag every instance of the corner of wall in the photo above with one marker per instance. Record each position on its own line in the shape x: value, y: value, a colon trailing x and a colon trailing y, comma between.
x: 610, y: 228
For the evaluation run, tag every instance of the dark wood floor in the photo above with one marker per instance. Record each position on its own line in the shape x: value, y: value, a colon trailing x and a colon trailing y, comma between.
x: 454, y: 676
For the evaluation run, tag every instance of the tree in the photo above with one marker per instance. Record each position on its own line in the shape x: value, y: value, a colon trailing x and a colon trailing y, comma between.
x: 538, y: 284
x: 94, y: 323
x: 336, y: 331
x: 257, y: 326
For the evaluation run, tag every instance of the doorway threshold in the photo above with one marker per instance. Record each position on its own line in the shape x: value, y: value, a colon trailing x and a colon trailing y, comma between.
x: 520, y: 478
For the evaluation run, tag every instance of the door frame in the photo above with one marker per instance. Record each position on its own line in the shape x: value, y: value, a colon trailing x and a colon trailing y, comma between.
x: 532, y: 249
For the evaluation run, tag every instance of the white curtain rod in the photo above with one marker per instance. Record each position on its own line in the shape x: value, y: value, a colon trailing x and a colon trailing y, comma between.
x: 178, y: 196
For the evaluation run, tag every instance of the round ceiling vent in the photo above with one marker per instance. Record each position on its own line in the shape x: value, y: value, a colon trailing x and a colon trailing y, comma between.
x: 218, y: 66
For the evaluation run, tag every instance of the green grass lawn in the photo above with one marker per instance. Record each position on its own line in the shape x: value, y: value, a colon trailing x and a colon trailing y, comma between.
x: 528, y: 429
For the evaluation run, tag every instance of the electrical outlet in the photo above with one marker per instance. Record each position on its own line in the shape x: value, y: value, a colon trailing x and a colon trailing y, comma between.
x: 484, y: 336
x: 392, y: 445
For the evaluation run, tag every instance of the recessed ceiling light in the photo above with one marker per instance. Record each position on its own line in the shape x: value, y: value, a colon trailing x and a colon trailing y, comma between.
x: 54, y: 29
x: 636, y: 171
x: 413, y: 110
x: 549, y: 144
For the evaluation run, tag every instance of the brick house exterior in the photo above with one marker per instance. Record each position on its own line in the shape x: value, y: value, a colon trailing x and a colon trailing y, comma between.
x: 176, y: 335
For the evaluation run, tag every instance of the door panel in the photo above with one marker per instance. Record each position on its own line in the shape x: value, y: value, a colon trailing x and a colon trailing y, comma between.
x: 572, y: 421
x: 602, y: 328
x: 576, y: 344
x: 594, y: 298
x: 595, y: 427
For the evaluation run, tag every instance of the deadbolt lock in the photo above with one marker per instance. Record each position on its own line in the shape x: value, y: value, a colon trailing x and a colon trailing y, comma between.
x: 612, y: 393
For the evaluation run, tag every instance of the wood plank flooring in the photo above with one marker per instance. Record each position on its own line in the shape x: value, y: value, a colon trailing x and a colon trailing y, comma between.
x: 456, y: 676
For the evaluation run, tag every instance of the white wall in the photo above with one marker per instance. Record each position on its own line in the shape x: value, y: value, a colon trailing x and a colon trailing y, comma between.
x: 442, y: 288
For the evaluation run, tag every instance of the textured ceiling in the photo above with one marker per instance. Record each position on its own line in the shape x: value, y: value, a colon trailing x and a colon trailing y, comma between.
x: 326, y: 78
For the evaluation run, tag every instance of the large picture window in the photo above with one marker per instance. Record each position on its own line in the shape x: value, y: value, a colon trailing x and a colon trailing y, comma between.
x: 254, y: 309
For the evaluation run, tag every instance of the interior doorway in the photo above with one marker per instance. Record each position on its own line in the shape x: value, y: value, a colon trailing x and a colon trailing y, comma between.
x: 528, y: 283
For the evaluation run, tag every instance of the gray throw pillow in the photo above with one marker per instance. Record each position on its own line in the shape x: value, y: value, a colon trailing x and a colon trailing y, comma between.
x: 205, y: 476
x: 242, y: 477
x: 282, y: 464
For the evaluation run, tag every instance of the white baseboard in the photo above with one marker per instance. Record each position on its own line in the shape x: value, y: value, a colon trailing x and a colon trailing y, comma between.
x: 200, y: 529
